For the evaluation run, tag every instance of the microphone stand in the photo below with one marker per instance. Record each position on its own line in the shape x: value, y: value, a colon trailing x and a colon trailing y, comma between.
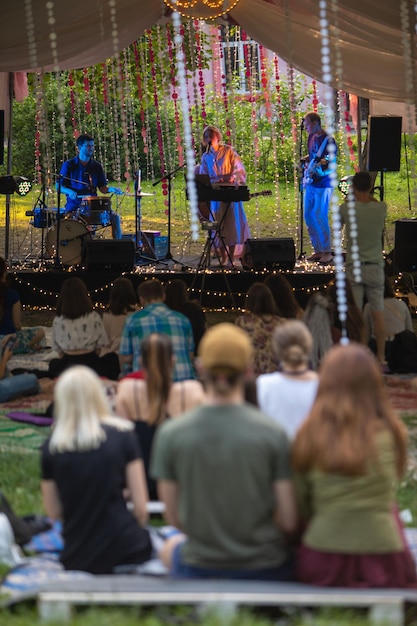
x: 169, y: 177
x: 301, y: 195
x: 138, y: 219
x: 57, y: 262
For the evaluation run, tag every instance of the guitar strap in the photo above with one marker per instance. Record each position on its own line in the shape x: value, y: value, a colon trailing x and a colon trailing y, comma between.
x: 322, y: 148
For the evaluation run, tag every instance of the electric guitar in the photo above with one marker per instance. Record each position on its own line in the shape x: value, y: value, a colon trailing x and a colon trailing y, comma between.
x: 314, y: 169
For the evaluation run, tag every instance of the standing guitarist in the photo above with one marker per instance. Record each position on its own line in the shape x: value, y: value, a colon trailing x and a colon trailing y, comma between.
x: 318, y: 189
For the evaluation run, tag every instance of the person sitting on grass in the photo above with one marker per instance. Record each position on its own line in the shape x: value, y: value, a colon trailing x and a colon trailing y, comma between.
x: 21, y: 384
x: 349, y: 454
x: 87, y: 462
x: 31, y: 339
x: 224, y: 476
x: 149, y: 402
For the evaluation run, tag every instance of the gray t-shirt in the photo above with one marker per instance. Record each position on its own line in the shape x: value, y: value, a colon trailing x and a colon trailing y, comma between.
x: 225, y: 460
x: 370, y: 220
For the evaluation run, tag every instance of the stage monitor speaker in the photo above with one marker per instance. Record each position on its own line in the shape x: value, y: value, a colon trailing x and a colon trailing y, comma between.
x: 269, y: 253
x: 1, y: 137
x: 384, y: 143
x: 405, y: 250
x: 109, y: 254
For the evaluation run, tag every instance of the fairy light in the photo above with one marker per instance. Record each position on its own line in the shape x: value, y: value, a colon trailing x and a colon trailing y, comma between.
x: 201, y: 9
x: 189, y: 152
x: 409, y: 88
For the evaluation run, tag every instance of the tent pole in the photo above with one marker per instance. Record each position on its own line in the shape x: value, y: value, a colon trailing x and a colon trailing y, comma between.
x: 9, y: 166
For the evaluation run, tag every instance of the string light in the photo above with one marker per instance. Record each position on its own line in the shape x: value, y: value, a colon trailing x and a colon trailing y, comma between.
x: 201, y: 9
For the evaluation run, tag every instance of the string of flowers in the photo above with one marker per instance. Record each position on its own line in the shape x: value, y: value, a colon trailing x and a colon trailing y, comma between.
x: 30, y: 32
x: 336, y: 221
x: 410, y: 87
x: 130, y: 110
x: 189, y: 152
x: 156, y: 104
x: 174, y: 96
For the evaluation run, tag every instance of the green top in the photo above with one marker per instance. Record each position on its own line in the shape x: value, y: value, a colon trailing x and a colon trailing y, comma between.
x: 225, y: 460
x: 353, y: 514
x: 370, y: 220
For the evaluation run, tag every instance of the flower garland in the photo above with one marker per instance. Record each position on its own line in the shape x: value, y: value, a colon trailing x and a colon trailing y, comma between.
x: 189, y: 152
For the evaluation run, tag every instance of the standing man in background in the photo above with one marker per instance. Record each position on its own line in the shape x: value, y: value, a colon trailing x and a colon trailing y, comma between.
x: 369, y: 222
x: 318, y: 189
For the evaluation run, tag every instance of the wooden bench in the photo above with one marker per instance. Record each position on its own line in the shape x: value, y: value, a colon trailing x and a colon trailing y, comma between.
x: 386, y: 606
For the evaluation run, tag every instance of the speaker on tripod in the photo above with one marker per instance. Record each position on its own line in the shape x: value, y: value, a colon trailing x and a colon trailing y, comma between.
x: 384, y: 143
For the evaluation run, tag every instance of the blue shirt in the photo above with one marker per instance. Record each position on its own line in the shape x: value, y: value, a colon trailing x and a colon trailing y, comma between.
x: 158, y: 318
x: 84, y: 179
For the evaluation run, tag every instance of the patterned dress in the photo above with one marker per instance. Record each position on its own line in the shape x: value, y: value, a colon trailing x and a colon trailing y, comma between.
x: 260, y: 329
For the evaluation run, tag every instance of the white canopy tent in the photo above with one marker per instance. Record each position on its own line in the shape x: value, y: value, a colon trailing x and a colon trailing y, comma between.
x: 368, y: 35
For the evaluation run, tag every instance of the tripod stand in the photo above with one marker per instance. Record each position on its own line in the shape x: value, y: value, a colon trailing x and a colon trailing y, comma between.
x: 169, y: 177
x: 139, y: 234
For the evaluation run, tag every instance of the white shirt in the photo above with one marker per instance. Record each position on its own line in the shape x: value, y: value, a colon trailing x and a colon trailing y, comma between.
x: 286, y: 400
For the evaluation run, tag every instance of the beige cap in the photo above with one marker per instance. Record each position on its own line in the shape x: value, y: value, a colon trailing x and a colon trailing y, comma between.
x: 225, y: 346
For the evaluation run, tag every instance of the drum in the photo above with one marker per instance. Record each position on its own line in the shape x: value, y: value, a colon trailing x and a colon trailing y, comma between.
x: 45, y: 218
x: 95, y: 211
x: 72, y: 235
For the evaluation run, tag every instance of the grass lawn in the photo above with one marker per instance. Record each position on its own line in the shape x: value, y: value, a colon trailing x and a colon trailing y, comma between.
x: 268, y: 216
x: 20, y: 473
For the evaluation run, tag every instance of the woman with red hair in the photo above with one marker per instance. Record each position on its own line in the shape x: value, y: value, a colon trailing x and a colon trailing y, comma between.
x: 349, y: 454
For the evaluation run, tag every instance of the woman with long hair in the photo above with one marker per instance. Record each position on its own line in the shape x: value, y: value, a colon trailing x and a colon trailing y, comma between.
x: 87, y: 462
x: 349, y: 455
x: 284, y: 297
x: 259, y: 321
x: 288, y: 394
x: 78, y: 333
x: 122, y: 302
x: 149, y: 402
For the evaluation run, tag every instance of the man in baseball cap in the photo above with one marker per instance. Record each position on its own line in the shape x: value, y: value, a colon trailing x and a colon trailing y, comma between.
x: 222, y: 469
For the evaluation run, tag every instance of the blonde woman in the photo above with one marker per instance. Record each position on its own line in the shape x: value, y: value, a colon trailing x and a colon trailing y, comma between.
x: 151, y: 401
x: 87, y: 462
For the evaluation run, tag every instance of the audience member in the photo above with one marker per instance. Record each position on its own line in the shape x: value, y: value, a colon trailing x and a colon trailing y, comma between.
x: 317, y: 318
x: 88, y: 460
x: 30, y: 339
x: 288, y: 395
x: 176, y: 297
x: 355, y: 325
x: 15, y: 386
x: 350, y: 453
x: 149, y: 402
x: 78, y: 333
x: 156, y: 317
x: 224, y: 476
x: 259, y: 321
x: 284, y: 297
x: 397, y: 317
x: 122, y: 302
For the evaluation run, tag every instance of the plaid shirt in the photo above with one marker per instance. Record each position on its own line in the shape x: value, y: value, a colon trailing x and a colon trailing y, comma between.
x: 158, y: 318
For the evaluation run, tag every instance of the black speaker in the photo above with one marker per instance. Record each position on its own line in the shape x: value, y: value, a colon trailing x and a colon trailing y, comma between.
x: 109, y: 254
x: 405, y: 250
x: 384, y: 143
x: 1, y: 137
x: 269, y: 252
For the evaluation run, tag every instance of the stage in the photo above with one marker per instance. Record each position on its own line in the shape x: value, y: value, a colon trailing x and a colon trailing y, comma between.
x: 215, y: 288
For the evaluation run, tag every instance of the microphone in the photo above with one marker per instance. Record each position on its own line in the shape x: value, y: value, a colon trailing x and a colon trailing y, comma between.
x: 208, y: 147
x: 302, y: 125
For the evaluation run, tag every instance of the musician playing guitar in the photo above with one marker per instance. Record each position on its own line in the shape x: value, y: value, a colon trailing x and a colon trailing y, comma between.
x: 224, y: 167
x: 318, y: 189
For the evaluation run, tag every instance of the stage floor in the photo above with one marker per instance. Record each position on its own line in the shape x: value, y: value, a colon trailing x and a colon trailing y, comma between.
x: 39, y: 283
